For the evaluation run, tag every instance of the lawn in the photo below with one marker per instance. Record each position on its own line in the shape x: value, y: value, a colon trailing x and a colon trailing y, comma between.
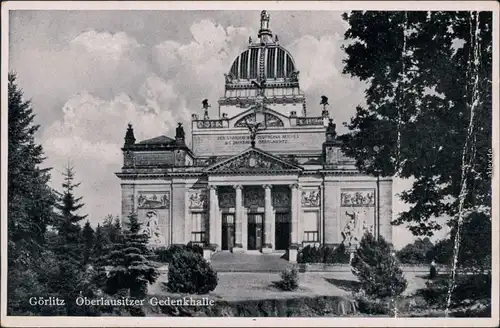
x: 238, y: 286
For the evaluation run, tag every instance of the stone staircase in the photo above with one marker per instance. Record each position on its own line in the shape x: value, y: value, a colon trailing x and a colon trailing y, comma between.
x: 248, y: 262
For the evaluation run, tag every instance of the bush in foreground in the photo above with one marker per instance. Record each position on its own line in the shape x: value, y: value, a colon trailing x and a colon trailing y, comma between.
x: 289, y: 279
x: 189, y: 272
x: 377, y: 269
x: 323, y: 254
x: 165, y: 255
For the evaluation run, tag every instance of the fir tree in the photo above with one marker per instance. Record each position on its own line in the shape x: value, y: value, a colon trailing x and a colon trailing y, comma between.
x: 88, y: 240
x: 130, y: 265
x: 30, y: 203
x: 69, y: 248
x: 377, y: 269
x: 100, y: 242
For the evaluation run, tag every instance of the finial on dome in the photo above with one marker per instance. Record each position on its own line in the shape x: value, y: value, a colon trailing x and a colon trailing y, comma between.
x: 265, y: 34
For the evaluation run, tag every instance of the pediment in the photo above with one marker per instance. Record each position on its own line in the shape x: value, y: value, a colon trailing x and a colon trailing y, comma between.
x: 254, y: 161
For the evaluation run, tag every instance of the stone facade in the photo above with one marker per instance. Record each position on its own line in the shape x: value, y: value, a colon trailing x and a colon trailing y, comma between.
x: 262, y: 175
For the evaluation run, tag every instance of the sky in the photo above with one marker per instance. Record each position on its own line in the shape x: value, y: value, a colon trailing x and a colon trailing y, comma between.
x: 90, y: 73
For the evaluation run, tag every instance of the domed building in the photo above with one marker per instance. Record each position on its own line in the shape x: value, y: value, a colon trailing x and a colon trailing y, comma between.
x: 262, y: 176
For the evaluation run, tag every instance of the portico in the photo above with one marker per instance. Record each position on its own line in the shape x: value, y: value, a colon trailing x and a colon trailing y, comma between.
x: 253, y: 215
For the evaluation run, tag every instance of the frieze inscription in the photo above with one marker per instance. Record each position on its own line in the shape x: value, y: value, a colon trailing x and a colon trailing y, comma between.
x: 363, y: 198
x: 153, y: 200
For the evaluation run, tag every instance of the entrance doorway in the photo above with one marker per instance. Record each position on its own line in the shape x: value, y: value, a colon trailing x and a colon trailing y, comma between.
x: 282, y: 230
x: 228, y: 233
x: 255, y: 231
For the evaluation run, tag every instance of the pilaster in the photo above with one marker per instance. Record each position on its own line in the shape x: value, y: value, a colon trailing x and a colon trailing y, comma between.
x: 213, y: 217
x: 187, y: 218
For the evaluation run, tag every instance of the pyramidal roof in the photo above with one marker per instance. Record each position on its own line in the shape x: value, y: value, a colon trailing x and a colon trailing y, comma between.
x: 157, y: 141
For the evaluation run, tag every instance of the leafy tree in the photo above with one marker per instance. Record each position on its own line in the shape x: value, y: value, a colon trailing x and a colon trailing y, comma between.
x: 475, y: 246
x: 69, y: 246
x: 377, y: 269
x: 418, y: 252
x: 30, y: 202
x: 130, y: 265
x: 88, y: 241
x: 421, y: 70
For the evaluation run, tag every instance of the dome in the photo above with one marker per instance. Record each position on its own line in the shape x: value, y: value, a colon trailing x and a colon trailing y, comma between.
x: 269, y: 62
x: 263, y: 60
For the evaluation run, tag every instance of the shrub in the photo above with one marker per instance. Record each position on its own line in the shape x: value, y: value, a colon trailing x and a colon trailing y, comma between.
x: 289, y: 279
x: 190, y: 273
x: 165, y: 255
x: 323, y: 254
x: 377, y: 269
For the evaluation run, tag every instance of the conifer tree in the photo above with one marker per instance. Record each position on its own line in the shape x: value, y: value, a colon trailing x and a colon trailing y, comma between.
x: 69, y: 248
x: 30, y: 203
x: 99, y: 243
x: 130, y: 265
x: 88, y: 240
x: 377, y: 269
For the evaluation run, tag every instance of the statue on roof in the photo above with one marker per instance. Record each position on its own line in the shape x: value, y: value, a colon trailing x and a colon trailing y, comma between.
x: 294, y: 76
x: 179, y: 131
x: 205, y: 105
x: 324, y: 101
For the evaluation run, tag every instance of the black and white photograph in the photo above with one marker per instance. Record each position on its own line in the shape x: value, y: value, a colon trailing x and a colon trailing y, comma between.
x: 260, y: 163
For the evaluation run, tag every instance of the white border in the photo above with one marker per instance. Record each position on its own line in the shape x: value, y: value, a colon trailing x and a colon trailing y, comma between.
x: 252, y: 322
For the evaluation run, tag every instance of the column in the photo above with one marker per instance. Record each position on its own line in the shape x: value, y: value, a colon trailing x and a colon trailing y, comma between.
x: 295, y: 214
x: 238, y: 219
x: 268, y: 220
x: 213, y: 217
x: 321, y: 215
x: 292, y: 254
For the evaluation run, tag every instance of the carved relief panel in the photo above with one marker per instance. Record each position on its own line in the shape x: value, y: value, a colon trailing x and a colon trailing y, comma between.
x: 364, y: 197
x: 311, y: 198
x: 128, y: 158
x: 198, y: 199
x: 332, y: 155
x: 153, y: 200
x: 151, y: 226
x: 227, y: 199
x: 281, y: 198
x: 253, y: 197
x: 357, y: 214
